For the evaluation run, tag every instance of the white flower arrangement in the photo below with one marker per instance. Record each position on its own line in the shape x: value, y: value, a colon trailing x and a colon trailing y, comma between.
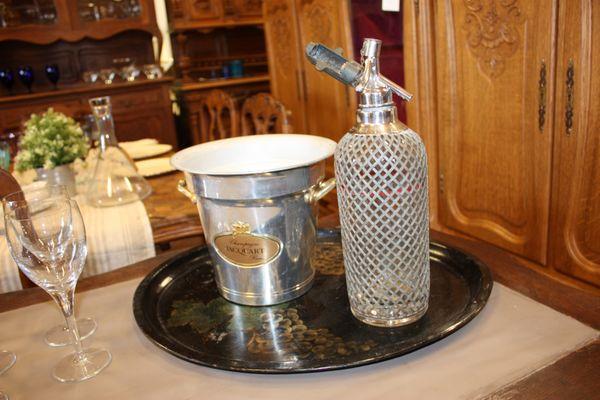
x: 50, y: 140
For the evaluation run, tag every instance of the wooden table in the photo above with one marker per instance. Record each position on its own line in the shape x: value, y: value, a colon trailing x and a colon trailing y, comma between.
x: 172, y: 215
x: 576, y: 376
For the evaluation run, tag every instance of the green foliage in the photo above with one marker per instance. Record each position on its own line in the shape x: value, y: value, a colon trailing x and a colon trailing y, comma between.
x: 50, y: 140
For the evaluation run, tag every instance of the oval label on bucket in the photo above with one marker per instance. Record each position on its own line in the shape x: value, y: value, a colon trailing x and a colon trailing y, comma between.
x: 245, y: 249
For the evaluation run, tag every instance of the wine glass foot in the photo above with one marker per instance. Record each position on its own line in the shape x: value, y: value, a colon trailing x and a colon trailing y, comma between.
x: 69, y: 369
x: 59, y: 335
x: 7, y: 360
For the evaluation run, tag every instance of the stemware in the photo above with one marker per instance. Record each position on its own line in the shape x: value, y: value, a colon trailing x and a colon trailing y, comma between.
x: 7, y: 78
x: 59, y: 335
x: 52, y: 73
x: 26, y: 76
x: 91, y: 76
x: 107, y: 75
x: 47, y: 240
x: 152, y: 71
x: 7, y: 359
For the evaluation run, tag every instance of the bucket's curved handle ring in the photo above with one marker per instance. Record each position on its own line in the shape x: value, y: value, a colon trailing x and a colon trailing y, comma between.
x: 320, y: 190
x: 182, y: 188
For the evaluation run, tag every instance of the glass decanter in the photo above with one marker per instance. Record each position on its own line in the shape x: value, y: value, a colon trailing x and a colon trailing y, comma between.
x: 381, y: 172
x: 115, y: 180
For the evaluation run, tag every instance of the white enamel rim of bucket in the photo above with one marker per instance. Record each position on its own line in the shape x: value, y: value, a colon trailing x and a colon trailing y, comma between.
x: 254, y: 154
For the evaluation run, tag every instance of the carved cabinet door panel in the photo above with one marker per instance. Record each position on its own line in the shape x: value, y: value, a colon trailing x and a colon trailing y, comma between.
x: 495, y: 63
x: 575, y: 224
x: 281, y: 33
x: 330, y: 105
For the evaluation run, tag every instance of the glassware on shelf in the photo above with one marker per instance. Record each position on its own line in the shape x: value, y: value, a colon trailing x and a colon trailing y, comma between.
x: 152, y: 71
x: 105, y: 9
x: 115, y: 180
x: 47, y: 240
x: 130, y: 73
x: 107, y: 75
x: 52, y: 73
x: 7, y: 78
x: 5, y: 155
x: 23, y: 12
x: 91, y: 76
x: 26, y: 76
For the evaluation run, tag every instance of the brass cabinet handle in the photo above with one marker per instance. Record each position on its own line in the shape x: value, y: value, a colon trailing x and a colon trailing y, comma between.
x: 570, y: 97
x: 542, y: 97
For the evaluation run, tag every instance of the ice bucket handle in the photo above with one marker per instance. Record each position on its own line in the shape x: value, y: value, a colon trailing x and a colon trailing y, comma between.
x: 182, y: 188
x: 320, y: 190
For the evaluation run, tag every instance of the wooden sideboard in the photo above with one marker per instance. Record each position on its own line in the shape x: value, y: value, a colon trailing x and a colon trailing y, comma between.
x: 141, y: 109
x: 506, y: 103
x: 72, y: 20
x: 319, y: 104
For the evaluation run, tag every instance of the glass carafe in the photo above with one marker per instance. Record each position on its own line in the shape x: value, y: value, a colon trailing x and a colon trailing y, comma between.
x: 115, y: 180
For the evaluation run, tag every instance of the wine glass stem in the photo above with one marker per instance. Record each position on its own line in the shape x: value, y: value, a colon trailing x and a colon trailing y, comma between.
x: 66, y: 301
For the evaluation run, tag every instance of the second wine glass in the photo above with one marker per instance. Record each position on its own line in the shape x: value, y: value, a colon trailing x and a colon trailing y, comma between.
x: 59, y: 336
x: 48, y: 242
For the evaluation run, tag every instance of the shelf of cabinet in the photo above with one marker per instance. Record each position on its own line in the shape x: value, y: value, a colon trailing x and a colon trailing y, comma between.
x: 81, y: 89
x: 179, y: 26
x: 218, y: 83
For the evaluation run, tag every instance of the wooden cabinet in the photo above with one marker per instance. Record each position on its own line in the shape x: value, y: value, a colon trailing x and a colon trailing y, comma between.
x: 494, y: 160
x: 196, y: 14
x: 141, y: 109
x: 506, y: 98
x: 319, y: 104
x: 74, y: 20
x: 575, y: 212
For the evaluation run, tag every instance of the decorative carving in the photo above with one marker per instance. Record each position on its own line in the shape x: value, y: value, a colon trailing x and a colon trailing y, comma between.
x: 318, y: 19
x: 280, y: 22
x: 492, y: 33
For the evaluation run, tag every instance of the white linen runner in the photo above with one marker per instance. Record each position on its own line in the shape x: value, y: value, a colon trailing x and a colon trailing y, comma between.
x: 116, y: 237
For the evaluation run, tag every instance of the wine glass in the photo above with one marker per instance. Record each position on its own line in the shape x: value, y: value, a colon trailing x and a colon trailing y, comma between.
x: 52, y: 73
x: 59, y: 335
x: 7, y: 359
x: 47, y: 241
x: 107, y: 75
x: 26, y: 76
x: 7, y: 78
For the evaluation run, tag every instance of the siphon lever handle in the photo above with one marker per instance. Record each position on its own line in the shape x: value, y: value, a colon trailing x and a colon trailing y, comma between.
x: 570, y: 97
x: 542, y: 97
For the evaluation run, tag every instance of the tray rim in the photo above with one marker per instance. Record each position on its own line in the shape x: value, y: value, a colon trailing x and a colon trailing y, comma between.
x: 473, y: 308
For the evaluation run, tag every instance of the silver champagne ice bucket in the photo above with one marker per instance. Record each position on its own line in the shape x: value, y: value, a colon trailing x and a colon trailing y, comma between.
x: 257, y: 198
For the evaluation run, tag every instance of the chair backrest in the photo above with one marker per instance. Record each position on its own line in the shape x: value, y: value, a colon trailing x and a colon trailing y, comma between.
x: 261, y: 113
x: 218, y: 118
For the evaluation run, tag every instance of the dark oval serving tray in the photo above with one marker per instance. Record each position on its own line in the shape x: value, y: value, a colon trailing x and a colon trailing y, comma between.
x: 178, y: 307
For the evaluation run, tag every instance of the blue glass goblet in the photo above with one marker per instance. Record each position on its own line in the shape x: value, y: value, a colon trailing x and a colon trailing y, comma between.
x: 52, y: 73
x: 26, y: 76
x: 7, y: 78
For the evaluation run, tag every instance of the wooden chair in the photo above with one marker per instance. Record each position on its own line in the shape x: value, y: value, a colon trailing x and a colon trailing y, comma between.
x: 217, y: 118
x: 261, y: 113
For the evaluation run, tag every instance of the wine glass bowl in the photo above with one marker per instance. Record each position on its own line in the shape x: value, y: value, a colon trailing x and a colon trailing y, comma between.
x: 47, y: 240
x: 26, y: 76
x: 7, y: 78
x: 7, y: 360
x: 52, y: 73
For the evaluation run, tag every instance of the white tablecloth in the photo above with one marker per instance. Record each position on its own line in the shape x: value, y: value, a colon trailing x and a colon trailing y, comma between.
x: 512, y: 337
x: 116, y: 236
